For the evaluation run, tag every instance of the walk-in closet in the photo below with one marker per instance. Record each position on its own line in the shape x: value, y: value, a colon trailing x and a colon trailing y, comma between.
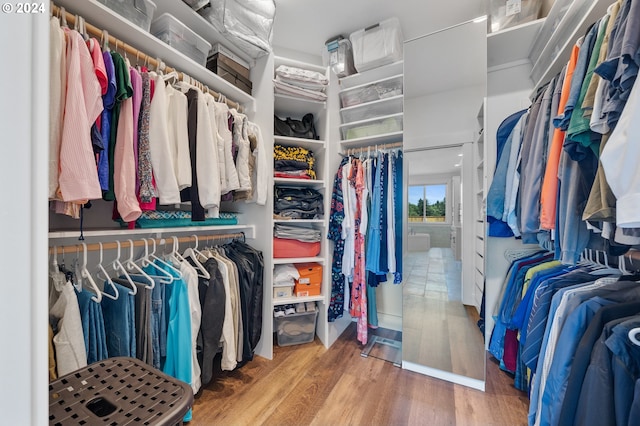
x: 320, y: 212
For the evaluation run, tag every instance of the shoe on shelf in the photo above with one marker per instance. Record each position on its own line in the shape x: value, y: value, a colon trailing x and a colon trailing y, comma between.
x: 300, y: 307
x: 289, y: 310
x: 311, y: 306
x: 278, y: 311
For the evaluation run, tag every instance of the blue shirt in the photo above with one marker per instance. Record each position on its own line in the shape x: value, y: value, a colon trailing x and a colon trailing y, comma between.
x: 108, y: 101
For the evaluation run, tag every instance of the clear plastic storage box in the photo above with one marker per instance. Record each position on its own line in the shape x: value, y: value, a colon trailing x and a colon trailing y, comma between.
x: 388, y: 106
x: 508, y: 13
x: 339, y: 56
x: 381, y: 89
x: 297, y: 328
x: 366, y: 128
x: 377, y: 45
x: 177, y: 35
x: 140, y: 12
x: 196, y: 4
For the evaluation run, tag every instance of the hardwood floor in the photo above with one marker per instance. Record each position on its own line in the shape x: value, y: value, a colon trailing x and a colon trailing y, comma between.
x: 310, y: 385
x: 439, y: 331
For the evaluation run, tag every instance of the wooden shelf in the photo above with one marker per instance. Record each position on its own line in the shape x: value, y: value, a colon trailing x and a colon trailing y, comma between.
x: 119, y: 27
x: 298, y: 221
x: 249, y: 231
x: 280, y: 60
x: 372, y: 140
x: 297, y: 182
x: 283, y: 260
x: 511, y: 45
x: 310, y: 144
x: 294, y: 300
x: 372, y: 75
x: 290, y: 106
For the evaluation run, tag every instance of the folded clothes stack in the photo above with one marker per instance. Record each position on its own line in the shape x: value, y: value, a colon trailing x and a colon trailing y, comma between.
x: 300, y: 83
x: 297, y: 203
x: 290, y: 232
x: 293, y: 162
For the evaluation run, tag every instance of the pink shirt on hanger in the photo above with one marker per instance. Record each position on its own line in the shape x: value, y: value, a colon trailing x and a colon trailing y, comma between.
x: 78, y: 175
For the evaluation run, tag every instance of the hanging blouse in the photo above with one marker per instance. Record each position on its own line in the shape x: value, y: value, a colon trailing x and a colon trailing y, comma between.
x: 78, y: 178
x: 57, y: 81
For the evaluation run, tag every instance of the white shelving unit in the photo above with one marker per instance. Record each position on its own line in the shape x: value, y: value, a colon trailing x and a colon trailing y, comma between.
x: 249, y: 231
x: 479, y: 186
x: 290, y: 106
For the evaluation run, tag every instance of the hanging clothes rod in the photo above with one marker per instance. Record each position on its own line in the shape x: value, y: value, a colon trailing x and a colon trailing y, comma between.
x: 354, y: 151
x: 124, y: 244
x: 97, y: 32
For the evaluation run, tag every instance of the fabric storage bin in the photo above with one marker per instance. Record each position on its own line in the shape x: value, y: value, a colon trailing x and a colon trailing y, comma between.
x: 310, y: 281
x: 378, y: 126
x: 508, y: 13
x: 382, y: 89
x: 296, y: 328
x: 282, y: 291
x: 283, y: 247
x: 374, y: 109
x: 377, y: 45
x: 177, y: 35
x: 140, y: 12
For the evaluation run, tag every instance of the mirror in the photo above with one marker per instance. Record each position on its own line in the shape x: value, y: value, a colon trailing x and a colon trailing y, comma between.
x: 445, y: 84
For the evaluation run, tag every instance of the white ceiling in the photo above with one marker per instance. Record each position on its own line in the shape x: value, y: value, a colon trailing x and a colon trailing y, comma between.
x: 434, y: 161
x: 305, y: 25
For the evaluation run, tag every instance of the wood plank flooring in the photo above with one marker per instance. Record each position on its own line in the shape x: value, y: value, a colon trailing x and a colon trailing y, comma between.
x: 310, y: 385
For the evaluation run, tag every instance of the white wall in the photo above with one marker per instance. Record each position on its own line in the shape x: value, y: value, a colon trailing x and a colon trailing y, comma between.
x: 444, y: 118
x: 24, y: 117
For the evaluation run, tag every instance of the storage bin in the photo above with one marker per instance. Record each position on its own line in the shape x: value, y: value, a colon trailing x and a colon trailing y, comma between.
x: 219, y: 53
x: 118, y: 391
x: 381, y: 89
x: 377, y: 45
x: 140, y: 12
x: 177, y: 35
x: 295, y: 329
x: 219, y: 66
x: 339, y: 56
x: 283, y: 247
x: 508, y: 13
x: 378, y: 126
x: 248, y: 25
x: 374, y: 109
x: 196, y: 4
x: 310, y: 281
x: 282, y: 291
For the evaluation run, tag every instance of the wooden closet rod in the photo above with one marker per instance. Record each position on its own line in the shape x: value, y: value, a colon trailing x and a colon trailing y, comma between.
x: 353, y: 151
x: 97, y: 32
x: 124, y: 244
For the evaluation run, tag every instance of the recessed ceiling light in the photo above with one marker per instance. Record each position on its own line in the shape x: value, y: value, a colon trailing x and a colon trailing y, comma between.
x: 459, y: 155
x: 456, y: 165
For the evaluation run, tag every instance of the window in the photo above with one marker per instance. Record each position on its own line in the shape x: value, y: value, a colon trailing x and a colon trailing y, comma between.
x: 428, y: 203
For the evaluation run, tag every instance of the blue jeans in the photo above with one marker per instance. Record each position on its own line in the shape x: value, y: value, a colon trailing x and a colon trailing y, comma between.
x: 92, y: 327
x: 119, y: 323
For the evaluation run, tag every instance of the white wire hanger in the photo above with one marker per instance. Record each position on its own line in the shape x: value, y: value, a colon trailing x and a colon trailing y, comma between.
x: 106, y: 277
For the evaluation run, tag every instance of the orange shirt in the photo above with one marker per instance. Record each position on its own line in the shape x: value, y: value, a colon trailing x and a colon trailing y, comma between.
x: 549, y: 192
